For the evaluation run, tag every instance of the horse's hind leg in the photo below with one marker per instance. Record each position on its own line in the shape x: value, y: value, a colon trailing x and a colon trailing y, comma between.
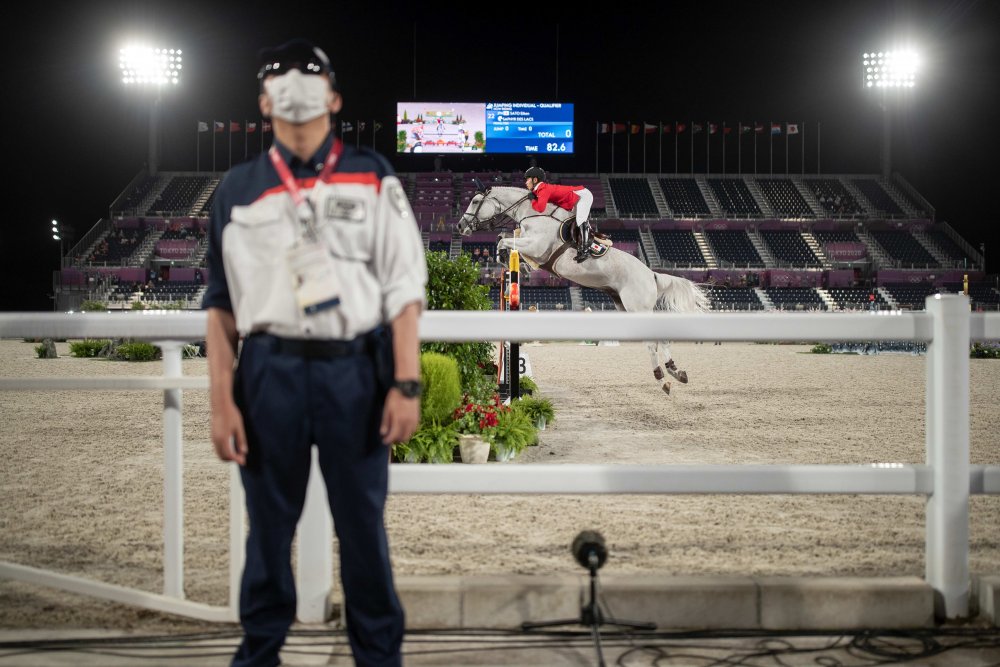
x: 680, y: 376
x: 658, y: 373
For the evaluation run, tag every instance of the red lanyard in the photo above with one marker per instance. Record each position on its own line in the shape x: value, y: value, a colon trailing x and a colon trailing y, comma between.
x: 285, y: 174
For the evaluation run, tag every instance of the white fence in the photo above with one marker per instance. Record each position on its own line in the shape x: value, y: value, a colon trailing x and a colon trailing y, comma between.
x: 946, y: 479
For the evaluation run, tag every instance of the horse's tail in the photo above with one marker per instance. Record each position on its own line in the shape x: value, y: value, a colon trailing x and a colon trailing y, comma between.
x: 679, y: 295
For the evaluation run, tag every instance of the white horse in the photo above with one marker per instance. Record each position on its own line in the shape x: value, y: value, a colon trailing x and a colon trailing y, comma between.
x: 626, y: 279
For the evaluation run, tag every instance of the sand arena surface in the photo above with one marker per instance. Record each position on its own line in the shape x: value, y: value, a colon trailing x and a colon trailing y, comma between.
x: 81, y: 489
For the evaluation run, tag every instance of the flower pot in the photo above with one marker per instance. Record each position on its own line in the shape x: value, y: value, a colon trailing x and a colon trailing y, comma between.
x: 504, y: 453
x: 411, y: 457
x: 473, y: 448
x: 540, y: 423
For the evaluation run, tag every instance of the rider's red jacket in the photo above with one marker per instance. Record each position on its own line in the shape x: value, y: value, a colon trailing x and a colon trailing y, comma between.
x: 563, y: 196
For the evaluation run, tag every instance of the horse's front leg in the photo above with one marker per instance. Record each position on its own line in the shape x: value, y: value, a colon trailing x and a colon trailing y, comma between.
x: 654, y: 358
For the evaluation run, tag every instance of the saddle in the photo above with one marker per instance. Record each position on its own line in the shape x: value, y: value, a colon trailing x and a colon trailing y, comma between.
x: 569, y: 233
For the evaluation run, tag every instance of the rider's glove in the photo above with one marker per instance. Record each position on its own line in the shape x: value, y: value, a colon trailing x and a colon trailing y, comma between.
x: 532, y: 196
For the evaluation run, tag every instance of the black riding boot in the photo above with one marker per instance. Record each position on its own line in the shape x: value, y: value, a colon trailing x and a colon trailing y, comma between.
x: 581, y: 248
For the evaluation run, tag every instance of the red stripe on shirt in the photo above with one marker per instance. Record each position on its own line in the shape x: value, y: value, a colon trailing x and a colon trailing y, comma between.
x: 358, y: 178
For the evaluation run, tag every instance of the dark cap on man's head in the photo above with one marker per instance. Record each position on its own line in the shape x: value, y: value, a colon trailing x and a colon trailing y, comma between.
x: 300, y: 54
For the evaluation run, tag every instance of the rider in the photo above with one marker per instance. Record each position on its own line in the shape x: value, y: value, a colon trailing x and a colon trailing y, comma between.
x: 563, y: 196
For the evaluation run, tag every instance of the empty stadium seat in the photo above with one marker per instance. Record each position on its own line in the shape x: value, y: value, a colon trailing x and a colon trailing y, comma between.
x: 684, y: 197
x: 834, y: 197
x: 900, y: 245
x: 788, y: 246
x: 678, y: 246
x: 795, y: 298
x: 633, y: 198
x: 734, y: 197
x: 784, y: 198
x: 733, y: 246
x: 882, y: 203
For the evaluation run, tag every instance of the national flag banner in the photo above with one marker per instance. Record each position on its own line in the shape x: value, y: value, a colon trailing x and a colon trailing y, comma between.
x: 649, y: 127
x: 220, y: 126
x: 681, y: 127
x: 265, y: 126
x: 775, y: 128
x: 713, y: 128
x: 758, y: 128
x: 202, y: 126
x: 604, y: 127
x: 726, y: 129
x: 234, y: 126
x: 635, y: 128
x: 745, y: 129
x: 792, y: 128
x: 361, y: 126
x: 668, y: 128
x: 251, y: 128
x: 696, y: 127
x: 378, y: 126
x: 346, y: 127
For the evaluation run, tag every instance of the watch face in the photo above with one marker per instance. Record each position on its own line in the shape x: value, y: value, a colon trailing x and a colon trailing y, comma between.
x: 408, y: 388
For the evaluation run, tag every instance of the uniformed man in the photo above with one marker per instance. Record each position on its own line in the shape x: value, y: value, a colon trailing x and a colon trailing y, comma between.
x: 316, y: 262
x: 563, y: 196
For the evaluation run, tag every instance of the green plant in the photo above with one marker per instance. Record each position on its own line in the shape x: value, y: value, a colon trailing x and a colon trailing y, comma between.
x: 91, y: 306
x: 527, y: 385
x: 40, y: 350
x: 137, y: 351
x: 401, y: 141
x: 453, y: 285
x: 190, y: 351
x: 821, y: 348
x: 89, y: 347
x: 442, y: 387
x: 984, y: 351
x: 514, y: 431
x: 138, y: 305
x: 173, y: 305
x: 535, y: 408
x: 433, y: 443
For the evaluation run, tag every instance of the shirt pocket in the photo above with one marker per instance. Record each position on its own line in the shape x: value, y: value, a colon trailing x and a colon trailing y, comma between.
x: 347, y: 227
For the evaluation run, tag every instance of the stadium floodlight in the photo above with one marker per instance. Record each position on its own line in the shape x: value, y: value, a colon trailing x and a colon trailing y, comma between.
x: 144, y: 65
x: 889, y: 69
x: 151, y: 68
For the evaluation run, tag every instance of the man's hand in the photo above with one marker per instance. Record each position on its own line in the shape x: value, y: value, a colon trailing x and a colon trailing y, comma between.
x: 532, y: 196
x: 400, y: 417
x: 228, y: 434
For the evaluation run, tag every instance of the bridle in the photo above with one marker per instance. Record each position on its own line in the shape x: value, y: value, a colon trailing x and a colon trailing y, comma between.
x: 491, y: 222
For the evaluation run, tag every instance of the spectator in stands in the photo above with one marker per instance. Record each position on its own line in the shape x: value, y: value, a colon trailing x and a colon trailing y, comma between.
x: 563, y: 196
x: 330, y: 354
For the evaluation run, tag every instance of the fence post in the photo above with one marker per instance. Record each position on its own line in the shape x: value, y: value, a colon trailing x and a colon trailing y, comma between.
x: 173, y: 475
x: 947, y: 442
x: 237, y: 539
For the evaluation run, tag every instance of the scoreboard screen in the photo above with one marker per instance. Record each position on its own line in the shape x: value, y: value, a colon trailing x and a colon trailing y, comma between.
x: 529, y: 127
x: 484, y: 127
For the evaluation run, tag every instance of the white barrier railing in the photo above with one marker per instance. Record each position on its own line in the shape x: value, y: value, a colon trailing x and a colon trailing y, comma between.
x: 946, y: 478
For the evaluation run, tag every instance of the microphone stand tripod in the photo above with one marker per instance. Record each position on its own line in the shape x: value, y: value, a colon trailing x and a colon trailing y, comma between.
x: 590, y: 614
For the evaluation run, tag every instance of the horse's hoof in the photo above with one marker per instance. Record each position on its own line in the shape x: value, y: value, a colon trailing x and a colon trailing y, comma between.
x: 658, y: 373
x: 680, y: 376
x: 666, y: 388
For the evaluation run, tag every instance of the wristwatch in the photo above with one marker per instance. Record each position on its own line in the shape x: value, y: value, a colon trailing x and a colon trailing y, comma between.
x: 409, y: 388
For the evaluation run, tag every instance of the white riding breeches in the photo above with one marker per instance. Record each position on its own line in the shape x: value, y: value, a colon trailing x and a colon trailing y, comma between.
x: 583, y: 206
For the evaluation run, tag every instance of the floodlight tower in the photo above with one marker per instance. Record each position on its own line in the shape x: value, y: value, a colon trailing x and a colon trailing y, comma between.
x: 888, y: 74
x: 61, y: 233
x: 154, y: 69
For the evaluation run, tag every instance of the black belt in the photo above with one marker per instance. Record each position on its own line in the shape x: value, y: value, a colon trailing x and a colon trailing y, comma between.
x: 312, y: 348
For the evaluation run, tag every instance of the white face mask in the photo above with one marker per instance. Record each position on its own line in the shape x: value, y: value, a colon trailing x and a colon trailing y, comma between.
x: 297, y: 97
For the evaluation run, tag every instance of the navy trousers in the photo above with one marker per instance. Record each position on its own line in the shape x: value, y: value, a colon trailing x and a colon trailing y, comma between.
x: 290, y: 400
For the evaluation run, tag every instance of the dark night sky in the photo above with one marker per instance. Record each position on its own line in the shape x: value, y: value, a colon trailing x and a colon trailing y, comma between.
x: 75, y: 137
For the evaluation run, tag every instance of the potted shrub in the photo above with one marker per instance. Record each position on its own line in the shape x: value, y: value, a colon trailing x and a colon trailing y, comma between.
x: 433, y: 443
x: 514, y: 432
x: 538, y: 410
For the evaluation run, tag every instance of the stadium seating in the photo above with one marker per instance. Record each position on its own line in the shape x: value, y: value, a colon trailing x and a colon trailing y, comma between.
x: 784, y: 199
x: 901, y: 246
x: 980, y: 294
x: 733, y: 246
x: 546, y: 298
x: 909, y: 295
x: 684, y: 197
x: 169, y: 291
x: 678, y: 246
x: 179, y: 195
x: 440, y: 246
x: 856, y: 298
x: 485, y: 254
x: 948, y: 246
x: 789, y: 246
x: 836, y: 236
x: 118, y: 246
x: 795, y: 298
x: 734, y: 298
x: 879, y: 199
x: 134, y: 198
x: 596, y: 299
x: 834, y: 197
x: 633, y: 197
x: 734, y: 197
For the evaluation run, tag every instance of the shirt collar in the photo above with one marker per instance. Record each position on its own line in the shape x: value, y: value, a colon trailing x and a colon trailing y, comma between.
x: 315, y: 163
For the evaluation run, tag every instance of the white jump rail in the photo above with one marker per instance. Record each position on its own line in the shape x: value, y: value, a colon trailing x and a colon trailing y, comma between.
x: 946, y: 478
